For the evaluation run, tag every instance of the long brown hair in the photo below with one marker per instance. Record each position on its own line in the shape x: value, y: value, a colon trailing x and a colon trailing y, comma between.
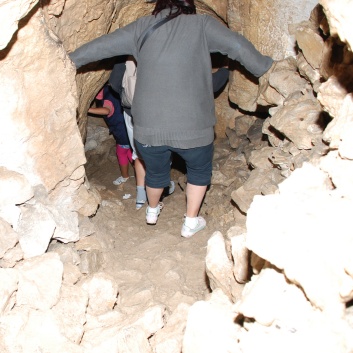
x: 176, y: 7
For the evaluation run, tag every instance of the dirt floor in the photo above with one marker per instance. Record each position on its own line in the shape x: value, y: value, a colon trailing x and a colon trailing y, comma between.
x: 152, y: 263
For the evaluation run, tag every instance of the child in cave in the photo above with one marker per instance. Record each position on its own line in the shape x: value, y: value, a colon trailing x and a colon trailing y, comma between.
x: 109, y: 106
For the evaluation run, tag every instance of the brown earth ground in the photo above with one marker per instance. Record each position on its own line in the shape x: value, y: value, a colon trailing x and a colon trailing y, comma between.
x: 152, y: 264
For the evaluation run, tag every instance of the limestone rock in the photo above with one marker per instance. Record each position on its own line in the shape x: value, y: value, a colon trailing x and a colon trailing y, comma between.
x: 310, y: 43
x: 334, y: 94
x: 300, y: 123
x: 11, y: 14
x: 12, y: 257
x: 91, y: 261
x: 23, y: 335
x: 39, y: 281
x: 219, y: 268
x: 309, y: 229
x: 210, y: 326
x: 35, y: 229
x: 102, y: 292
x: 337, y: 126
x: 269, y: 298
x: 240, y: 255
x: 66, y: 252
x: 71, y: 274
x: 340, y: 172
x: 169, y: 339
x: 338, y: 13
x: 261, y: 158
x: 8, y: 237
x: 305, y: 70
x: 71, y: 312
x: 8, y: 287
x: 14, y: 187
x: 133, y: 340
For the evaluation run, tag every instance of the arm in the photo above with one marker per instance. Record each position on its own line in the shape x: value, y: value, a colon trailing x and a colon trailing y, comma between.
x: 99, y: 111
x: 119, y: 42
x: 221, y: 39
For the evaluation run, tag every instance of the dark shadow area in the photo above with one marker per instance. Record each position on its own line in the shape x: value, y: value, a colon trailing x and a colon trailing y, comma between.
x: 207, y: 281
x: 178, y: 163
x: 323, y: 120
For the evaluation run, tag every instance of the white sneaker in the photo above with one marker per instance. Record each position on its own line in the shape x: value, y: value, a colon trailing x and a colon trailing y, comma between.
x: 152, y: 214
x: 188, y: 232
x: 120, y: 180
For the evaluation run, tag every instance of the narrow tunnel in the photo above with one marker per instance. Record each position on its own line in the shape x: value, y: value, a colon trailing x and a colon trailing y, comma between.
x: 80, y: 269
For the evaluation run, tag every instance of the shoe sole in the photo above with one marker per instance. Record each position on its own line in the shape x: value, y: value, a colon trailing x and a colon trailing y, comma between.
x: 122, y: 182
x: 188, y: 235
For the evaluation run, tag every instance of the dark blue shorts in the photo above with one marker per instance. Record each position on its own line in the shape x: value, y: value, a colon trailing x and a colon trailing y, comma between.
x: 157, y: 160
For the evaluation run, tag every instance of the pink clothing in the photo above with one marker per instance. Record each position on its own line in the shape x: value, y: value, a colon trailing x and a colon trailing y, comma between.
x: 100, y: 95
x: 106, y: 103
x: 124, y: 155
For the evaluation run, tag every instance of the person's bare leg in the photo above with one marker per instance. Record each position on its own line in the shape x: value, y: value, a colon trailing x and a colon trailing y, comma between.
x: 194, y: 197
x: 153, y: 196
x: 140, y: 172
x: 124, y: 169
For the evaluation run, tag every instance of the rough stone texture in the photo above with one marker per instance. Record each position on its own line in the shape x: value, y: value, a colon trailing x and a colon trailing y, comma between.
x: 169, y: 339
x: 102, y: 292
x: 71, y: 312
x: 39, y: 281
x: 254, y: 21
x: 338, y: 13
x: 35, y: 230
x: 10, y: 15
x: 14, y: 187
x: 22, y: 333
x: 40, y: 135
x: 35, y: 138
x: 219, y: 268
x: 210, y: 326
x: 311, y: 44
x: 306, y: 217
x: 8, y: 286
x: 218, y: 6
x: 300, y: 123
x: 309, y: 229
x: 8, y: 237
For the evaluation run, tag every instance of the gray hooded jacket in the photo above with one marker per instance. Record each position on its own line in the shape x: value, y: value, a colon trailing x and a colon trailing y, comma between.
x: 173, y: 102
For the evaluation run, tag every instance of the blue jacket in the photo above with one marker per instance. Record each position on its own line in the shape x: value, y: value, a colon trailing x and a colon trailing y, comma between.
x: 115, y: 122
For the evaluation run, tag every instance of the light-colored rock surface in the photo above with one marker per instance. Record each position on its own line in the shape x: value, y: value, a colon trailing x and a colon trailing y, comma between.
x: 298, y: 157
x: 39, y: 281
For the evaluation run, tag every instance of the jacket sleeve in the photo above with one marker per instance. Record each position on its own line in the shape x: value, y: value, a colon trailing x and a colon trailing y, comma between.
x: 221, y: 39
x: 119, y: 42
x: 219, y: 78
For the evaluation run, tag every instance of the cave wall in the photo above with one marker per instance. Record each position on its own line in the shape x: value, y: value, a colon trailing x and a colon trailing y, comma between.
x: 269, y: 25
x: 45, y: 102
x: 300, y: 235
